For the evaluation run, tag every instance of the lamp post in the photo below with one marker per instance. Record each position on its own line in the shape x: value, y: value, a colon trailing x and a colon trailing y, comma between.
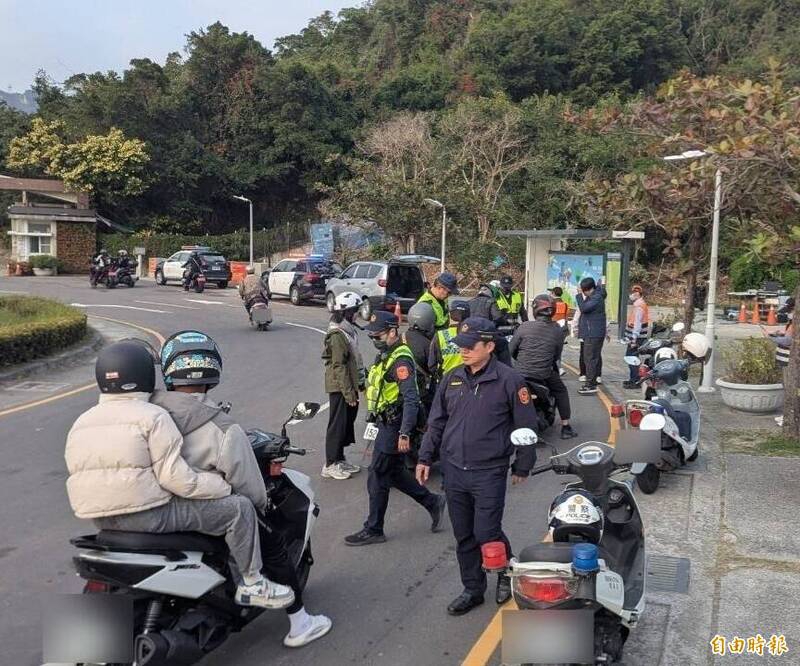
x: 707, y: 384
x: 245, y: 199
x: 438, y: 204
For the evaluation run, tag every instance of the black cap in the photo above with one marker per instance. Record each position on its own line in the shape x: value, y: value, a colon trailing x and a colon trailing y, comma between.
x: 459, y: 310
x: 556, y: 291
x: 588, y: 283
x: 506, y: 281
x: 473, y: 330
x: 381, y: 322
x: 448, y: 281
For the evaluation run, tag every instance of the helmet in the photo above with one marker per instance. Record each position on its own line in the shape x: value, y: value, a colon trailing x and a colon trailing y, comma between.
x: 495, y: 283
x: 575, y: 516
x: 347, y: 300
x: 250, y: 270
x: 459, y: 311
x: 190, y: 358
x: 421, y: 317
x: 103, y: 251
x: 696, y: 346
x: 543, y: 305
x: 663, y: 354
x: 125, y: 367
x: 506, y: 282
x: 122, y: 253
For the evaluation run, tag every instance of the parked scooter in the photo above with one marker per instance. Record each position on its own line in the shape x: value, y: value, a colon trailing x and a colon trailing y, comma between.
x: 181, y: 583
x: 544, y: 402
x: 260, y: 313
x: 594, y: 568
x: 658, y: 349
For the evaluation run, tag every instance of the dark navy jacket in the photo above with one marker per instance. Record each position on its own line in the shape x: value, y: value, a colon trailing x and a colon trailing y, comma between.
x: 473, y: 416
x: 386, y: 442
x: 592, y: 322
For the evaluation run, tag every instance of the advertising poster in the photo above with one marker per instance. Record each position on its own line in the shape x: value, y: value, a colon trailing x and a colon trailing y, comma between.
x: 566, y: 270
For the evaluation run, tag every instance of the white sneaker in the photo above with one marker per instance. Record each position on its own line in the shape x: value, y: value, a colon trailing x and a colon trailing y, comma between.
x: 599, y: 380
x: 335, y: 471
x: 318, y: 626
x: 582, y: 378
x: 265, y: 594
x: 349, y: 467
x: 562, y: 372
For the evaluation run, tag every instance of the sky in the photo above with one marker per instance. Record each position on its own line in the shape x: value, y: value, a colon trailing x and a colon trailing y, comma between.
x: 66, y: 37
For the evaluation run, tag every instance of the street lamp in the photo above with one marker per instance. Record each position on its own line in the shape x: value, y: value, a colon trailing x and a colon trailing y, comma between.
x: 438, y: 204
x: 245, y: 199
x: 707, y: 384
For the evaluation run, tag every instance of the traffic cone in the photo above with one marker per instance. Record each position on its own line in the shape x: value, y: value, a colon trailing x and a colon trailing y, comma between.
x: 756, y: 318
x: 742, y: 314
x: 398, y: 312
x: 772, y: 318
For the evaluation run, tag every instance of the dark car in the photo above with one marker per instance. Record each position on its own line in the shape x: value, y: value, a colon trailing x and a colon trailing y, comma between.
x: 300, y: 279
x: 214, y: 266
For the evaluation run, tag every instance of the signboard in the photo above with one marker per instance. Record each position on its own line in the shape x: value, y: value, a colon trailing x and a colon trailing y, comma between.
x: 139, y: 251
x: 322, y: 239
x: 567, y: 269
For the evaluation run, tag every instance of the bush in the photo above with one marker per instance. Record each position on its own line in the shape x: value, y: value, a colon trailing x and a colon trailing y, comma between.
x: 745, y: 273
x: 751, y: 361
x: 33, y: 327
x: 44, y: 261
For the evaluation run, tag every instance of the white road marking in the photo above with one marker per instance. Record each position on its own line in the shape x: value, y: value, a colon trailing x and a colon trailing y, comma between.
x: 9, y: 291
x: 169, y: 305
x: 123, y: 307
x: 310, y: 328
x: 199, y: 300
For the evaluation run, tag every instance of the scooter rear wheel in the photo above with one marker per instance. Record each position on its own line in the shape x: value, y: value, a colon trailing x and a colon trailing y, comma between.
x: 648, y: 479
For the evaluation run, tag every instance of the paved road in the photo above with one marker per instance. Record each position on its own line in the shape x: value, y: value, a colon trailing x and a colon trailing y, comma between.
x: 387, y: 601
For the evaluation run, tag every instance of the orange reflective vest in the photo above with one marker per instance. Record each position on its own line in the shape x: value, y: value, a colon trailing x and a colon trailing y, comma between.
x: 561, y: 310
x: 644, y: 331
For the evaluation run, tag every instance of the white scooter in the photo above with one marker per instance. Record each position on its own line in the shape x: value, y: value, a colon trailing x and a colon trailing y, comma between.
x: 260, y: 313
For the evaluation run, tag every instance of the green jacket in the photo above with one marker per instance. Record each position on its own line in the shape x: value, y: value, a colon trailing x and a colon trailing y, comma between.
x: 341, y: 366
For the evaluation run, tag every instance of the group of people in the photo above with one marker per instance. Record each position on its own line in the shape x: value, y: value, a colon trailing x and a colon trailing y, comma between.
x: 102, y: 261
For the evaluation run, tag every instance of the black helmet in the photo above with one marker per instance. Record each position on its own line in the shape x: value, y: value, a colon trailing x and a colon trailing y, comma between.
x: 190, y: 358
x: 506, y: 282
x: 125, y: 367
x: 459, y: 311
x: 543, y: 305
x: 576, y: 516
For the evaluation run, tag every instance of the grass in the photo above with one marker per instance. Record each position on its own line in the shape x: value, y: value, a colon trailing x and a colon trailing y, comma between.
x: 759, y: 443
x: 16, y: 310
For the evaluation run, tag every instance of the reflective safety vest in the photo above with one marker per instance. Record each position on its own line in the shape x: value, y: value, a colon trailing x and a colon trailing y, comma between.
x: 561, y: 311
x: 451, y: 354
x: 440, y: 310
x: 509, y: 306
x: 632, y: 320
x: 382, y: 393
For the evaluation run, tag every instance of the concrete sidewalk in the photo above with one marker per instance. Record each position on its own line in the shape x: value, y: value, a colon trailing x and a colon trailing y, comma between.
x: 732, y: 516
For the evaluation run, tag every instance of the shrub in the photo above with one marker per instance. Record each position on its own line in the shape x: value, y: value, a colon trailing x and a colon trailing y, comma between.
x: 746, y: 273
x: 44, y: 261
x: 751, y: 361
x: 33, y: 327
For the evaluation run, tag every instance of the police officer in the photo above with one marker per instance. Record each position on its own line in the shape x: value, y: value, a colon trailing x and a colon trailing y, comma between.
x: 444, y: 285
x: 393, y: 403
x: 510, y: 302
x: 444, y: 355
x: 474, y: 411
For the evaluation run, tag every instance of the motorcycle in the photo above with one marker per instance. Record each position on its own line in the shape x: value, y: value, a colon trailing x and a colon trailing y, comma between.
x: 590, y: 576
x: 181, y: 583
x: 125, y: 276
x: 260, y: 313
x: 196, y: 281
x: 673, y: 409
x: 103, y: 274
x: 658, y: 349
x: 544, y: 402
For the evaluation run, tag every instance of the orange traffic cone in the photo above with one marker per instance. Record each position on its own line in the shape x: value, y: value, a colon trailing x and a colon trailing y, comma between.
x: 772, y: 318
x: 756, y: 318
x: 742, y: 314
x: 398, y: 312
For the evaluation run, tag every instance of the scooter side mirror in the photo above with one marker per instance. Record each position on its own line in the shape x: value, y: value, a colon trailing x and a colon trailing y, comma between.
x: 635, y: 361
x: 524, y: 437
x: 305, y: 410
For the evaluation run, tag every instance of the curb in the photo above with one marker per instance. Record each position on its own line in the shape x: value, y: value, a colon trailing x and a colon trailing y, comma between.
x: 93, y: 341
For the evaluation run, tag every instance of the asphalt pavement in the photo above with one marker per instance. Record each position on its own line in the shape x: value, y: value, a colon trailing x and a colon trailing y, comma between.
x: 387, y: 601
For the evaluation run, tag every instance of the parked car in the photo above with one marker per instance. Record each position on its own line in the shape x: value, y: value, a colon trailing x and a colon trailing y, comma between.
x: 301, y: 279
x: 215, y: 267
x: 382, y: 283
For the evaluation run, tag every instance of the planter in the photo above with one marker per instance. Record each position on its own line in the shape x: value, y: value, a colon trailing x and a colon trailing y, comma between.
x: 44, y: 272
x: 758, y: 398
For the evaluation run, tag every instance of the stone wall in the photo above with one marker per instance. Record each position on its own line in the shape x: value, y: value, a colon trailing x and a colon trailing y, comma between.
x: 76, y: 243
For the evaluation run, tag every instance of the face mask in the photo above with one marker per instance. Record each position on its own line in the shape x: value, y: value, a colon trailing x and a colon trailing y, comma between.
x: 632, y: 297
x: 380, y: 344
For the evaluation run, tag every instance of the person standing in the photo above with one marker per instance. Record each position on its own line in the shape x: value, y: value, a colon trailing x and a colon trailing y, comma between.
x: 536, y: 346
x: 637, y: 329
x: 592, y: 327
x: 344, y: 378
x: 393, y: 403
x: 444, y: 286
x: 510, y: 302
x: 418, y: 337
x: 444, y: 355
x: 474, y: 411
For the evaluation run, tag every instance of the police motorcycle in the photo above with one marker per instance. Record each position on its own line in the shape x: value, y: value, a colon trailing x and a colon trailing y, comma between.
x: 581, y: 593
x: 671, y: 408
x: 181, y: 583
x: 123, y: 270
x: 657, y: 349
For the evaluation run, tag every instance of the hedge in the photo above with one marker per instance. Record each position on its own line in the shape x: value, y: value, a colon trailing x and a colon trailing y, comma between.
x: 32, y: 327
x: 234, y: 247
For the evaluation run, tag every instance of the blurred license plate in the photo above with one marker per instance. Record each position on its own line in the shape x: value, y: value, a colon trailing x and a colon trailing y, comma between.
x: 548, y: 636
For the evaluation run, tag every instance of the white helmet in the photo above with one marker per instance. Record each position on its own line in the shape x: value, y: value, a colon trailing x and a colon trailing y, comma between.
x: 346, y: 300
x: 250, y: 270
x: 663, y: 354
x: 696, y: 345
x: 495, y: 283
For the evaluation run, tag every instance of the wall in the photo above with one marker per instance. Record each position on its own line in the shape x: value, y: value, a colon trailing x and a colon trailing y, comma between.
x: 76, y: 243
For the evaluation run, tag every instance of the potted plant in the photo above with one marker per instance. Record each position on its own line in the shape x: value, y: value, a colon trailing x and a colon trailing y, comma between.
x: 44, y: 264
x: 752, y: 381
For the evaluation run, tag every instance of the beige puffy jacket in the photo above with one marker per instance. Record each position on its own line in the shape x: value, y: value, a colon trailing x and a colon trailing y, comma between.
x: 124, y: 456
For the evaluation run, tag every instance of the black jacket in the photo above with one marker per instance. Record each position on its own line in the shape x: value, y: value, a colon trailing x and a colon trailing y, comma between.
x: 536, y: 346
x: 592, y: 322
x: 485, y: 306
x: 473, y: 416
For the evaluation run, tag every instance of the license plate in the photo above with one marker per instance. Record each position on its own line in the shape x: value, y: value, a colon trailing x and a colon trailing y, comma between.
x: 371, y: 433
x: 547, y: 636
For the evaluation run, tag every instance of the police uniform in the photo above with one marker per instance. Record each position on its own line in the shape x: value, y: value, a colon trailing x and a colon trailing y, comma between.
x: 393, y: 401
x: 440, y: 308
x: 444, y: 355
x: 510, y: 302
x: 471, y: 420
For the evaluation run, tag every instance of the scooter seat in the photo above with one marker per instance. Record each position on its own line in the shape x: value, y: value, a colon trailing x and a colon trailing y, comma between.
x: 139, y: 541
x: 554, y: 552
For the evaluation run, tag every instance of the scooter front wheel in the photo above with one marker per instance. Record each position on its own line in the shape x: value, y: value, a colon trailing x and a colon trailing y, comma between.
x: 648, y: 479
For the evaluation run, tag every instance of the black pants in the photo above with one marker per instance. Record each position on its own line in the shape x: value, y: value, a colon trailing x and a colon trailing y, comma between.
x: 389, y: 471
x: 632, y: 350
x: 592, y: 358
x: 340, y: 432
x: 559, y: 391
x: 582, y: 363
x: 476, y: 500
x: 276, y: 564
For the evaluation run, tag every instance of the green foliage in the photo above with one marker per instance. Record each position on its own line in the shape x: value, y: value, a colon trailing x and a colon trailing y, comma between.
x: 751, y: 361
x: 747, y: 272
x: 33, y: 327
x: 44, y: 261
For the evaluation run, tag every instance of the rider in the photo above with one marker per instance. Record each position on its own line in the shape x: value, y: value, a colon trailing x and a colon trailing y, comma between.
x: 126, y: 471
x: 421, y: 329
x: 100, y: 262
x: 444, y: 354
x: 485, y: 305
x: 536, y: 346
x: 191, y: 268
x: 214, y: 443
x: 252, y: 289
x: 124, y: 260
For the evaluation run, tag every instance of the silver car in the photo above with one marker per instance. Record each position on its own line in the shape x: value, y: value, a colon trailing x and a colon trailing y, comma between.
x: 382, y: 284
